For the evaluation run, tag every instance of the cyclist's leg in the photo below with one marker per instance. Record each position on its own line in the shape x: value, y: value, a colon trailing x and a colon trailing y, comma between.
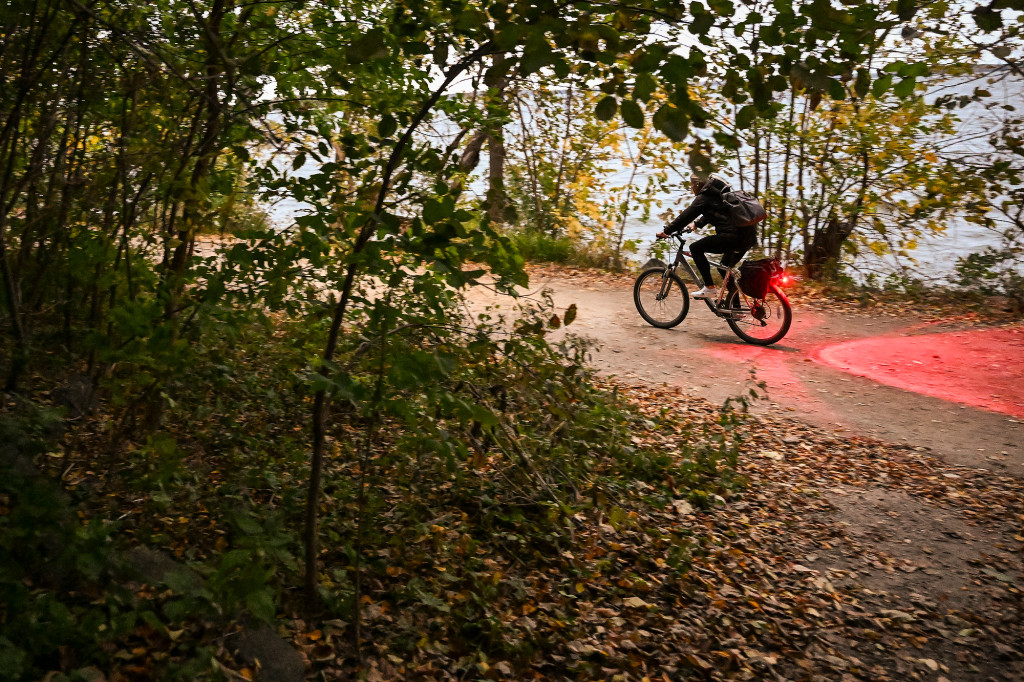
x: 732, y: 258
x: 738, y: 247
x: 715, y: 243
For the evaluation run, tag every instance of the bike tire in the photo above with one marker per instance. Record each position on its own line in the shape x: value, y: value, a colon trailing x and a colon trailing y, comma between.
x: 666, y: 312
x: 777, y: 317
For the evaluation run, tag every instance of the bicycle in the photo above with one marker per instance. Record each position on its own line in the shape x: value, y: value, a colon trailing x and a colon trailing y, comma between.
x: 662, y: 300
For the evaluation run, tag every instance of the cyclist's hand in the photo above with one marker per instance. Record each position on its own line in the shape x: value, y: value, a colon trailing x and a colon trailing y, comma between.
x: 661, y: 235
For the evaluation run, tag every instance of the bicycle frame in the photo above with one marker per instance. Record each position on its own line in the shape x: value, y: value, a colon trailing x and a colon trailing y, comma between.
x: 730, y: 274
x: 662, y: 298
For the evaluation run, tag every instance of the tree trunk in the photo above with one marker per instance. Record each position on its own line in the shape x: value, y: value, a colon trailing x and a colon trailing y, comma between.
x: 784, y: 208
x: 322, y: 399
x: 822, y: 258
x: 800, y: 188
x: 497, y: 199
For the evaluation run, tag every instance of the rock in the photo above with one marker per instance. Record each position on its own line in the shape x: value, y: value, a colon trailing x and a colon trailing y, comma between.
x: 78, y: 395
x: 275, y: 659
x: 156, y: 567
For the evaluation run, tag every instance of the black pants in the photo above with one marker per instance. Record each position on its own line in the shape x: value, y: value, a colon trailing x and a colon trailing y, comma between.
x: 731, y: 246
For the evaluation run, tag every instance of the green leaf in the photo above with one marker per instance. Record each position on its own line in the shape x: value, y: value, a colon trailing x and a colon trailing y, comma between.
x: 470, y: 19
x: 745, y: 117
x: 644, y: 87
x: 727, y: 141
x: 510, y: 36
x: 863, y: 83
x: 702, y: 21
x: 486, y: 418
x: 1002, y: 577
x: 723, y: 8
x: 1001, y: 51
x: 882, y: 84
x: 906, y: 9
x: 247, y: 525
x: 987, y: 18
x: 570, y: 315
x: 836, y: 90
x: 261, y: 605
x: 177, y: 610
x: 905, y: 87
x: 299, y: 161
x: 440, y: 53
x: 537, y: 54
x: 435, y: 211
x: 672, y: 121
x: 560, y: 66
x: 12, y: 658
x: 387, y: 125
x: 370, y: 46
x: 416, y: 48
x: 606, y: 108
x: 632, y: 114
x: 233, y: 559
x: 433, y: 602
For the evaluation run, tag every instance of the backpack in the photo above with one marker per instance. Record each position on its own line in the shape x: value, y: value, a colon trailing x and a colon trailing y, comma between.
x: 742, y: 207
x: 755, y: 276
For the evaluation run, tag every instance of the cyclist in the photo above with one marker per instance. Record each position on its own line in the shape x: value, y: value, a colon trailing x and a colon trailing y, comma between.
x: 730, y: 240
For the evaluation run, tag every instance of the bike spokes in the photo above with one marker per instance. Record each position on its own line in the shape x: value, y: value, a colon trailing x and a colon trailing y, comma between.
x: 660, y: 298
x: 761, y: 321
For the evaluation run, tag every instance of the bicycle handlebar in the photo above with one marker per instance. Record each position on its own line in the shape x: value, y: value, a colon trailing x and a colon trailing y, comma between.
x: 676, y: 235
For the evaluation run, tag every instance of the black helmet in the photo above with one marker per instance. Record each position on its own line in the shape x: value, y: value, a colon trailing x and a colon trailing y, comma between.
x: 714, y: 184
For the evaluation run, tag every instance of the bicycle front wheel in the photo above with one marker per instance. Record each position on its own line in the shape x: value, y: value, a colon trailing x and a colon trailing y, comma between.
x: 761, y: 321
x: 661, y: 298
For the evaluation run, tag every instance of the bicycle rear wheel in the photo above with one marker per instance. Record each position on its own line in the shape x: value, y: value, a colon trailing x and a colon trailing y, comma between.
x: 761, y: 321
x: 661, y: 298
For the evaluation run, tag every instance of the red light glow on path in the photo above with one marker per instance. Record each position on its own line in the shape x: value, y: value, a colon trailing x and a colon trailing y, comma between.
x: 981, y: 368
x: 774, y: 368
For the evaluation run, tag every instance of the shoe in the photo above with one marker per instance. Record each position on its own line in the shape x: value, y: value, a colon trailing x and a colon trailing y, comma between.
x: 709, y: 293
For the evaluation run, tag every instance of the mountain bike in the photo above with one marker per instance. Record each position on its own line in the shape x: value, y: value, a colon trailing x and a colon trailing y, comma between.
x: 662, y: 299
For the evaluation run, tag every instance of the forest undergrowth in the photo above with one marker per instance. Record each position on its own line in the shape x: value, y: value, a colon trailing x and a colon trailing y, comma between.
x: 491, y: 510
x: 447, y: 505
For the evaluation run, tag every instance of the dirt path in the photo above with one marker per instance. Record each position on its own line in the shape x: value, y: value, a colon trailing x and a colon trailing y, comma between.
x: 802, y: 372
x: 921, y: 491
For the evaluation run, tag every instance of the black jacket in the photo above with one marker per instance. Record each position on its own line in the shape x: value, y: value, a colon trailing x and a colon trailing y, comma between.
x: 707, y: 209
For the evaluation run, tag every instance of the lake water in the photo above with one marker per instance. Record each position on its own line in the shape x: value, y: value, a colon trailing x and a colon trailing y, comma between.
x: 935, y: 256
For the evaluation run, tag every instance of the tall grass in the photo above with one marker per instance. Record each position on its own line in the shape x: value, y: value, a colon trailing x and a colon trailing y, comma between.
x: 538, y: 247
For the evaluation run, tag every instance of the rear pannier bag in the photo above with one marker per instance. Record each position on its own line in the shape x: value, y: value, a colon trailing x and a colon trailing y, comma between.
x: 755, y: 276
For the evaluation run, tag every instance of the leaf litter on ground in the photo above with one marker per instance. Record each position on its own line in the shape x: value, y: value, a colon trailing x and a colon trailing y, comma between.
x: 772, y: 576
x: 765, y: 581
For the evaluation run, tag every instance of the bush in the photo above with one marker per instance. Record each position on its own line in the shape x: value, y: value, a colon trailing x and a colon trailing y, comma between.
x: 538, y: 247
x: 993, y: 272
